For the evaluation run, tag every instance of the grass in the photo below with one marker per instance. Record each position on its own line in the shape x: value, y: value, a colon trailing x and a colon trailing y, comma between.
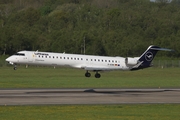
x: 92, y: 112
x: 48, y: 77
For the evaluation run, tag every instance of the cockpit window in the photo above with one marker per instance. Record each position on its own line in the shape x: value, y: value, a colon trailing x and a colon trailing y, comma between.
x: 20, y: 54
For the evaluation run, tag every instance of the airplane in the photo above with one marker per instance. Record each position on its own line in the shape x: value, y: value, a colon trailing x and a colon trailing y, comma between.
x: 86, y: 62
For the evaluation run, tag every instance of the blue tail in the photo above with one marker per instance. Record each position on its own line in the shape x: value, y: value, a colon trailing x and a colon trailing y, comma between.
x: 146, y: 58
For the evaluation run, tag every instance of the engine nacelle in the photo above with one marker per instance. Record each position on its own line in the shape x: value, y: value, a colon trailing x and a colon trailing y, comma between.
x: 131, y: 61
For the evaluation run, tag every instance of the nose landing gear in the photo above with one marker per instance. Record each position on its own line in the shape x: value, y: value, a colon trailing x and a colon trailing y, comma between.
x: 15, y: 67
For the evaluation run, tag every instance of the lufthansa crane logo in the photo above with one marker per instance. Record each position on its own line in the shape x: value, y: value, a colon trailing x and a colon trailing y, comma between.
x: 149, y: 56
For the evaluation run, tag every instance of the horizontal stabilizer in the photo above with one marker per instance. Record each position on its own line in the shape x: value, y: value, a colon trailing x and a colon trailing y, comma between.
x: 162, y: 49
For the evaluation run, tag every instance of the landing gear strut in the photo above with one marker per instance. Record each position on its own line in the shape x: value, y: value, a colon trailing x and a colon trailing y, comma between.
x: 87, y: 74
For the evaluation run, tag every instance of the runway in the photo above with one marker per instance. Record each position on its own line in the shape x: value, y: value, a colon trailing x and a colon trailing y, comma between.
x: 87, y: 96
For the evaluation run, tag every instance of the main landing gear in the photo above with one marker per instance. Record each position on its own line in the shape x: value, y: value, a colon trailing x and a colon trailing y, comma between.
x: 87, y: 74
x: 97, y: 75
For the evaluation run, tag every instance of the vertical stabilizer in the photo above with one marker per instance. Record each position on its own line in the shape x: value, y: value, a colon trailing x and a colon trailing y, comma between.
x: 146, y: 58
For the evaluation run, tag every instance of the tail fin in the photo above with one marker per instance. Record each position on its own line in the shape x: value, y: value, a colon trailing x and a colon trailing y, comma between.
x: 146, y: 58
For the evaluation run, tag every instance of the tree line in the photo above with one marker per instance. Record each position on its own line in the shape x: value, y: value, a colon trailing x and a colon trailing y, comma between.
x: 104, y: 27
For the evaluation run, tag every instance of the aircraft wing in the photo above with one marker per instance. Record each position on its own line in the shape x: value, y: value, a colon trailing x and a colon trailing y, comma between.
x: 100, y: 68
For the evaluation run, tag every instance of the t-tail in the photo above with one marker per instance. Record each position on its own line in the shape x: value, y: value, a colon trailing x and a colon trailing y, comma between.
x: 146, y: 58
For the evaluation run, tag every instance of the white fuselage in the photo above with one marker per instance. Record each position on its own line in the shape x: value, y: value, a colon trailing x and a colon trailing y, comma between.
x: 88, y: 62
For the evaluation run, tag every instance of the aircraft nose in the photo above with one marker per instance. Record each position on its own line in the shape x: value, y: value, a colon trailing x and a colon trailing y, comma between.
x: 9, y: 60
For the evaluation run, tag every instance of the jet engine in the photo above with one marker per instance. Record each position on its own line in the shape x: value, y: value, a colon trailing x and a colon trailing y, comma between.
x: 131, y: 61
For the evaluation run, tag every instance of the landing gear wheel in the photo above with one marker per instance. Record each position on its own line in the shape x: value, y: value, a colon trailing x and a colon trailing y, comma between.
x: 97, y: 75
x: 87, y: 74
x: 15, y: 68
